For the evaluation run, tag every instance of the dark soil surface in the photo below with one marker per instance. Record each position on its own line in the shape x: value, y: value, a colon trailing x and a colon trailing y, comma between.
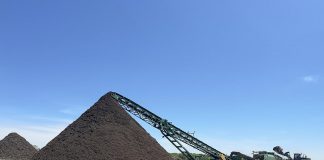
x: 103, y: 132
x: 15, y: 147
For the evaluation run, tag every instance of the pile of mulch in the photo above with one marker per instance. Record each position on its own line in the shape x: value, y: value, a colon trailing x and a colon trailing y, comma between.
x: 103, y: 132
x: 15, y: 147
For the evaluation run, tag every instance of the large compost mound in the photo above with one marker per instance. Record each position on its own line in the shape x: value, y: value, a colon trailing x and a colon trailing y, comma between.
x: 15, y: 147
x: 103, y: 132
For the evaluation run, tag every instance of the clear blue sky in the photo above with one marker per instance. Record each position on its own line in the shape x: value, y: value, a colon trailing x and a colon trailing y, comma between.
x: 245, y: 75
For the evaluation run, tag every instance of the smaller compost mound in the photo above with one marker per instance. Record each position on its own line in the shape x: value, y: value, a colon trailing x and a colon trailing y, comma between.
x: 15, y: 147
